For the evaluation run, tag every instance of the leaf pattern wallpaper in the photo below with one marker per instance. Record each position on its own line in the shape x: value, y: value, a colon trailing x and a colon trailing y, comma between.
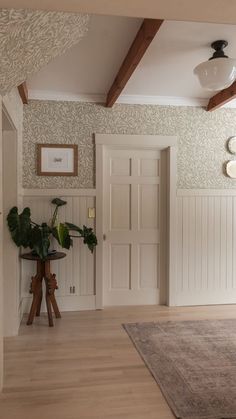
x: 30, y: 39
x: 202, y: 138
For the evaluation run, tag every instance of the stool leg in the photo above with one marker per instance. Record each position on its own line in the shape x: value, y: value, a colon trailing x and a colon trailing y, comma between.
x: 48, y: 303
x: 39, y: 304
x: 32, y: 310
x: 52, y: 287
x: 55, y: 306
x: 49, y: 310
x: 35, y: 289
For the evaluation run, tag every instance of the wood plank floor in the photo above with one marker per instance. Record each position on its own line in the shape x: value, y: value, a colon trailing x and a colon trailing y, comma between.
x: 86, y: 366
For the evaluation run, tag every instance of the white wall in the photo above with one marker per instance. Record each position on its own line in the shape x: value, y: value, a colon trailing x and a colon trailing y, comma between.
x: 11, y: 272
x: 13, y: 109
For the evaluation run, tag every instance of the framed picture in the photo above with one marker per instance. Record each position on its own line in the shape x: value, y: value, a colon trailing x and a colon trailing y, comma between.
x: 57, y: 160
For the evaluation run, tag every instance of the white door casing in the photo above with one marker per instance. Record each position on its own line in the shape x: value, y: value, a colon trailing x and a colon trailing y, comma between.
x: 129, y: 224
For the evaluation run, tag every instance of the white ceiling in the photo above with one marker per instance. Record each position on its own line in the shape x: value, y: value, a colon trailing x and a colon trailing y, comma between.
x: 89, y: 67
x: 165, y: 72
x: 220, y: 11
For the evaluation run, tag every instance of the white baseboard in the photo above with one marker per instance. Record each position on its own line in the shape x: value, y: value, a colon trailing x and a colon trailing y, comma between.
x: 207, y: 297
x: 67, y: 303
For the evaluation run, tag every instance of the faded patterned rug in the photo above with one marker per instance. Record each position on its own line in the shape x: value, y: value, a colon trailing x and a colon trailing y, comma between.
x: 194, y: 363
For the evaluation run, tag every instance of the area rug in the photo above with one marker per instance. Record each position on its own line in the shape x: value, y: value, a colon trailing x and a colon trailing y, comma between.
x: 194, y: 363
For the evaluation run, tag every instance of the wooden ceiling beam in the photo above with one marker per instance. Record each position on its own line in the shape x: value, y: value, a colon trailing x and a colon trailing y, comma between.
x: 221, y: 98
x: 143, y: 39
x: 23, y: 92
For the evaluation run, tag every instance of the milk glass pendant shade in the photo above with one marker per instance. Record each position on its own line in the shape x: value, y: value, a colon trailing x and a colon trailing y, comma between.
x: 219, y: 72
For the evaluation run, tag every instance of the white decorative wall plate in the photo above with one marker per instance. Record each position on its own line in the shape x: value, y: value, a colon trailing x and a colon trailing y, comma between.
x: 231, y: 169
x: 232, y: 145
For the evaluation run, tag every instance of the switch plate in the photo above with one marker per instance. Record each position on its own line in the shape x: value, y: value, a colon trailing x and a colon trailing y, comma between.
x: 91, y: 212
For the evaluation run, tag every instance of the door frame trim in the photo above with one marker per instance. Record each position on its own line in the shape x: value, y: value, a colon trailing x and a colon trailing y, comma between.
x: 160, y: 142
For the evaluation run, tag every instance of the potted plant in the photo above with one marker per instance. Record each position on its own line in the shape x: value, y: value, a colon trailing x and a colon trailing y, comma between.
x: 37, y: 237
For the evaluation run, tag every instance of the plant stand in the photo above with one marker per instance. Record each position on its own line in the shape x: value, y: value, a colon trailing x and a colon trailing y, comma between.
x: 43, y: 272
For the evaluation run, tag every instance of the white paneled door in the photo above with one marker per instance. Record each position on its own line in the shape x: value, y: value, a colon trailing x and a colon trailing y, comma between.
x: 131, y: 224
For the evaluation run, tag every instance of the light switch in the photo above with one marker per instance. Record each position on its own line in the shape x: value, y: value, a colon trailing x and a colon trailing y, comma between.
x: 91, y: 212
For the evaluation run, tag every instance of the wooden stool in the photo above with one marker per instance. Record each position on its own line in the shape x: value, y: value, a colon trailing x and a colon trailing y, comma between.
x: 43, y: 272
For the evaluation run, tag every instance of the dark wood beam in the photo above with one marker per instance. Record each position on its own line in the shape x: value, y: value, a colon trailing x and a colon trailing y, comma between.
x: 224, y: 96
x: 143, y: 39
x: 23, y: 92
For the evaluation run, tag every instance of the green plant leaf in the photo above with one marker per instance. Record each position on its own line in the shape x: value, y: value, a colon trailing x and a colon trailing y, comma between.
x: 87, y: 233
x: 89, y: 238
x: 61, y: 234
x: 58, y: 202
x: 73, y: 227
x: 37, y: 237
x: 20, y: 226
x: 39, y: 240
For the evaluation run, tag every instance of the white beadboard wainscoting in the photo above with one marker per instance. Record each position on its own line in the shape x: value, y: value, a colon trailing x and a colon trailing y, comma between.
x: 75, y: 273
x: 206, y: 247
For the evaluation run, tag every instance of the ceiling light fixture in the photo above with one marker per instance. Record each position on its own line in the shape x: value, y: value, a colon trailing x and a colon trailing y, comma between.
x: 219, y: 71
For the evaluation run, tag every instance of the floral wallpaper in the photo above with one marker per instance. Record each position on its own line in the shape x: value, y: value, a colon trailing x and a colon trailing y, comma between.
x: 30, y: 39
x: 201, y: 136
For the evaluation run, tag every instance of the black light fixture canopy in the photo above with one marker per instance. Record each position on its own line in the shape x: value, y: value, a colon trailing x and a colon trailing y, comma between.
x: 219, y: 47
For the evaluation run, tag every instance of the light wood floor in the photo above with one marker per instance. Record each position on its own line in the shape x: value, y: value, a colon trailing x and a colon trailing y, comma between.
x: 86, y: 366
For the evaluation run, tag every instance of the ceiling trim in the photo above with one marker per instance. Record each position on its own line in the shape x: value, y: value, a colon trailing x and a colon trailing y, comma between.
x: 65, y: 97
x: 125, y: 99
x: 161, y: 100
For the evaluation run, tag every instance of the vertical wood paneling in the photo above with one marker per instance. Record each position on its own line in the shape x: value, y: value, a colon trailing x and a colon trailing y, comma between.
x: 223, y: 243
x: 204, y: 232
x: 206, y: 253
x: 77, y: 269
x: 185, y: 242
x: 206, y: 248
x: 210, y: 244
x: 217, y: 242
x: 229, y: 244
x: 234, y: 243
x: 198, y: 243
x: 179, y: 249
x: 76, y: 279
x: 192, y: 243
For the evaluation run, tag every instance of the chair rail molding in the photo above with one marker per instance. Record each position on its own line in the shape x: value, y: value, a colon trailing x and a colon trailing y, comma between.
x: 58, y: 192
